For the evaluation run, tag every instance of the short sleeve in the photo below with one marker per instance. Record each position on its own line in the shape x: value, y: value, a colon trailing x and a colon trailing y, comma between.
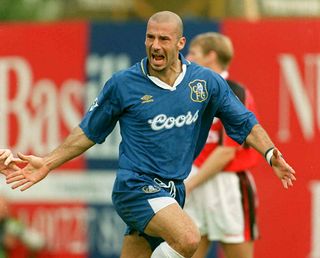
x: 103, y: 114
x: 228, y: 142
x: 236, y: 118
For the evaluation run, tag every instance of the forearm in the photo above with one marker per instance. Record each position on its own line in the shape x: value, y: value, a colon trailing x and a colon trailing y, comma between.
x: 74, y: 145
x: 215, y: 163
x: 259, y: 139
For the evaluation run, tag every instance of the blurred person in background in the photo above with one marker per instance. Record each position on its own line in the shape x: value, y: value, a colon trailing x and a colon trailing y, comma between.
x: 13, y: 234
x: 10, y: 230
x: 165, y: 105
x: 221, y: 191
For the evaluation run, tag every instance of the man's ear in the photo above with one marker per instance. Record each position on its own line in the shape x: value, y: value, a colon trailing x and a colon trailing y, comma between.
x: 181, y: 43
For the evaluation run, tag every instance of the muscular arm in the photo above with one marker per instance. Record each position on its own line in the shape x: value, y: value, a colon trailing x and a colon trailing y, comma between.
x: 215, y: 163
x: 74, y: 145
x: 259, y: 139
x: 38, y: 168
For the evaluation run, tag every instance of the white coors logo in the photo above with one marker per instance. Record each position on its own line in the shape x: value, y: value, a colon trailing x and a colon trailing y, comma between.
x: 162, y: 121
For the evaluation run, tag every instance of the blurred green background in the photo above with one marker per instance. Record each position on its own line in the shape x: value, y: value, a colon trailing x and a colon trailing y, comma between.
x: 48, y: 10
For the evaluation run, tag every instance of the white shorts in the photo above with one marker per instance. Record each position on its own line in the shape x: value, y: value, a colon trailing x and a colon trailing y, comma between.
x: 224, y: 208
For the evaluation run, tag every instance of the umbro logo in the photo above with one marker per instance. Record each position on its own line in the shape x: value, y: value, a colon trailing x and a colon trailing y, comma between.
x: 146, y: 99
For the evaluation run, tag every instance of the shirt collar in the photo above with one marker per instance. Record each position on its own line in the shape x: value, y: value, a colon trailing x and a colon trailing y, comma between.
x: 157, y: 81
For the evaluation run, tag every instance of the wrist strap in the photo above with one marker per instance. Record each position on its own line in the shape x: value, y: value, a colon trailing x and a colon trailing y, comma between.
x: 268, y: 155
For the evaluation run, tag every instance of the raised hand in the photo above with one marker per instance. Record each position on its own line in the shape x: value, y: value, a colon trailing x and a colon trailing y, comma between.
x: 33, y: 172
x: 282, y: 169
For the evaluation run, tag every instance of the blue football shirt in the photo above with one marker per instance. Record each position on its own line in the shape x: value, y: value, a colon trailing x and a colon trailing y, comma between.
x: 164, y: 128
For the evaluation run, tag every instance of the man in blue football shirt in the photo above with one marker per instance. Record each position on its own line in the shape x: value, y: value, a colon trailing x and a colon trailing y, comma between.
x: 165, y: 106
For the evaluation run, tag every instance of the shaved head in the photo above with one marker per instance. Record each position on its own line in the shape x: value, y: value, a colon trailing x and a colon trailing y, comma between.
x: 163, y: 42
x: 168, y: 17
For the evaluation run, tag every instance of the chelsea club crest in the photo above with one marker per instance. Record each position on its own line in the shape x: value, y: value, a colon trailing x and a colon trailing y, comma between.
x: 151, y: 189
x: 199, y: 90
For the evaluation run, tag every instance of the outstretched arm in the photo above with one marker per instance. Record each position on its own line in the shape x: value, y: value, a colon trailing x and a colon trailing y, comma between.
x: 259, y: 139
x: 39, y: 167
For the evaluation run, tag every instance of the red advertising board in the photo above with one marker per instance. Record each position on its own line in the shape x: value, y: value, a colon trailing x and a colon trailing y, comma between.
x: 279, y: 61
x: 41, y: 78
x: 42, y: 74
x: 61, y: 226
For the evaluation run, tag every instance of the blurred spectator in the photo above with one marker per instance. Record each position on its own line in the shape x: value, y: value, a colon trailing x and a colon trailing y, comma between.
x: 13, y: 234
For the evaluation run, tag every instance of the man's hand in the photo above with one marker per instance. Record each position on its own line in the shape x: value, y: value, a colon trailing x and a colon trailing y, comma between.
x: 35, y: 171
x: 282, y: 169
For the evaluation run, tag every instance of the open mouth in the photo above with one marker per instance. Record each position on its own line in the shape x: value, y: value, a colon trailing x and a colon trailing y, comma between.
x: 157, y: 58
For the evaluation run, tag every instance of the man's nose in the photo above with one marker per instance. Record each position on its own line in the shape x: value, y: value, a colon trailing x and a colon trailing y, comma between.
x: 156, y: 44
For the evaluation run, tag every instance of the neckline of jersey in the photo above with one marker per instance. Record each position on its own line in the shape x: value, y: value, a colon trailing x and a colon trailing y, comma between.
x: 162, y: 84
